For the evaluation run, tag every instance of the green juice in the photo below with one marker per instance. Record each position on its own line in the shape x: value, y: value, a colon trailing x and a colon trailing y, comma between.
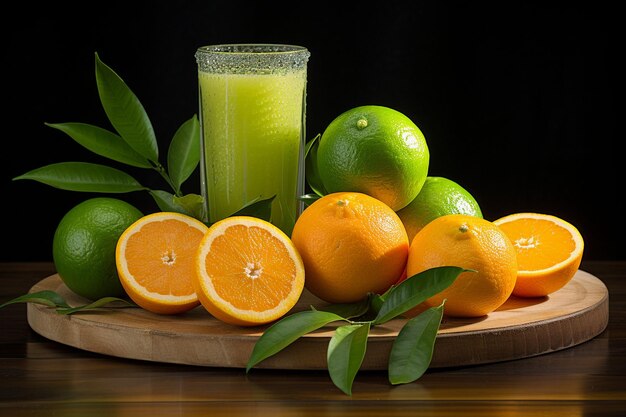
x: 252, y: 134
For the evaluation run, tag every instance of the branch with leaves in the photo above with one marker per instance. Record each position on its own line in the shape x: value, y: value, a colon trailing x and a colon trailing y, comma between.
x: 52, y: 299
x: 133, y: 143
x: 412, y: 350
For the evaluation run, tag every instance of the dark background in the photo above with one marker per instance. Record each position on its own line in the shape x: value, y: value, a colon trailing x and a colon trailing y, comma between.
x: 517, y: 101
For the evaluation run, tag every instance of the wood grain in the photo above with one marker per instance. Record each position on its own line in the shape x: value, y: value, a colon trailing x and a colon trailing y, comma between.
x: 520, y: 328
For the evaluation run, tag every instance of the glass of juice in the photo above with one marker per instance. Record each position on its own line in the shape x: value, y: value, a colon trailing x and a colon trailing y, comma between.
x: 252, y: 116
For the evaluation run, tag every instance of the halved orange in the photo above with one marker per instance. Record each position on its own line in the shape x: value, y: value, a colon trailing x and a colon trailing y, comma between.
x: 248, y: 271
x: 155, y: 259
x: 549, y: 251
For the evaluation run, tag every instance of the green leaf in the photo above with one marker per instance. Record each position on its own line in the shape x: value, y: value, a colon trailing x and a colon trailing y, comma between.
x: 286, y: 331
x: 348, y: 310
x: 83, y: 176
x: 309, y: 145
x: 184, y: 152
x: 413, y: 348
x: 346, y: 351
x: 310, y: 165
x: 261, y: 209
x: 377, y: 300
x: 189, y: 204
x: 165, y: 201
x: 125, y: 112
x: 308, y: 199
x: 95, y: 305
x: 415, y: 290
x: 46, y: 297
x: 102, y: 142
x: 193, y: 204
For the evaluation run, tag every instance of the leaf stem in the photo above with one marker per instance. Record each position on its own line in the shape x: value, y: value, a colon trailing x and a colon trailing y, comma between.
x: 161, y: 170
x: 358, y: 323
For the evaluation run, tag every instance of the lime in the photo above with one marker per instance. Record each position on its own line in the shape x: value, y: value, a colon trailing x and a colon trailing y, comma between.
x: 83, y: 247
x: 374, y: 150
x: 439, y: 196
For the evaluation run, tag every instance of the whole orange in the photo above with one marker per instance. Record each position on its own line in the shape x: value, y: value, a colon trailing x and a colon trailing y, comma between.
x: 351, y: 244
x: 472, y: 243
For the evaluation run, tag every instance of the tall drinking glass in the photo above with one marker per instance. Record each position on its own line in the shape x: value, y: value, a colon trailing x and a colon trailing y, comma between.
x: 252, y: 116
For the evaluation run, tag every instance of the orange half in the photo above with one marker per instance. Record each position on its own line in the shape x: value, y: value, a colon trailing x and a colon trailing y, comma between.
x: 549, y: 251
x: 155, y: 259
x: 248, y: 271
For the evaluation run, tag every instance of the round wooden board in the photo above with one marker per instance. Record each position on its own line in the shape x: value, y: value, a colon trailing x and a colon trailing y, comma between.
x: 520, y: 328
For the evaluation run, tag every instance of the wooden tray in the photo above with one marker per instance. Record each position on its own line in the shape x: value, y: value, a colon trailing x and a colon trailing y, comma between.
x: 520, y: 328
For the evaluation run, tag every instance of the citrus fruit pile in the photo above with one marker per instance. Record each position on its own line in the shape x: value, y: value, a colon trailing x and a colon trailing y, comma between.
x: 380, y: 152
x: 243, y: 270
x: 380, y: 220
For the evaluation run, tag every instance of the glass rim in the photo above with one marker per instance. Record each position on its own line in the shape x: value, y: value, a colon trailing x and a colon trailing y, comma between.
x: 229, y: 49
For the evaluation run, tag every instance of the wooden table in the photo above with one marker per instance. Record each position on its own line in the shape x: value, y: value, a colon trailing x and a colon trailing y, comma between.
x: 39, y: 377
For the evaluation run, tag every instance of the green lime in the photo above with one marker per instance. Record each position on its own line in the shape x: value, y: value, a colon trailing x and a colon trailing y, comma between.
x: 83, y: 248
x: 439, y: 196
x: 374, y: 150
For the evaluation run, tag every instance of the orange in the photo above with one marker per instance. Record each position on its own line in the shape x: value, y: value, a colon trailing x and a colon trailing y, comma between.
x: 549, y: 252
x: 374, y: 150
x: 248, y: 271
x: 472, y: 243
x: 155, y: 259
x: 351, y: 244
